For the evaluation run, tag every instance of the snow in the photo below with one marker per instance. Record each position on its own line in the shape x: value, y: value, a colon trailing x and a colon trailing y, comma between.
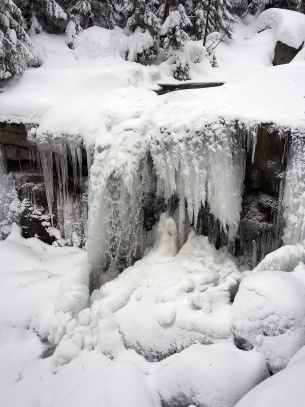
x: 150, y: 302
x: 162, y: 304
x: 33, y: 286
x: 269, y: 312
x: 288, y: 26
x: 200, y: 375
x: 160, y: 332
x: 286, y: 388
x: 96, y: 97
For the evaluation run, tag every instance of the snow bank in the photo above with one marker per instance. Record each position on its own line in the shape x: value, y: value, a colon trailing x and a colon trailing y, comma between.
x: 269, y: 313
x: 288, y: 26
x: 90, y: 379
x: 38, y: 280
x: 211, y: 376
x: 286, y: 388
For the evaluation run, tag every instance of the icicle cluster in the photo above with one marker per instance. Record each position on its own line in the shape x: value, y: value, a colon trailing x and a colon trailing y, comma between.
x: 180, y: 175
x: 294, y: 194
x: 71, y: 207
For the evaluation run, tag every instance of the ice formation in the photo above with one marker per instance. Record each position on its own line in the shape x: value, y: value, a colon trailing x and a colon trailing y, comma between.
x: 159, y: 306
x: 294, y: 195
x: 196, y: 176
x: 180, y: 173
x: 71, y: 209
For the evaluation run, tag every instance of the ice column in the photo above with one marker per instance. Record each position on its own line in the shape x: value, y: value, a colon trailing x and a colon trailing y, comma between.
x: 294, y: 193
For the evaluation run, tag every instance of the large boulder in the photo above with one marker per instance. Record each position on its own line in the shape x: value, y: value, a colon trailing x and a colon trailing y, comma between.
x: 269, y: 314
x: 283, y: 53
x: 209, y: 376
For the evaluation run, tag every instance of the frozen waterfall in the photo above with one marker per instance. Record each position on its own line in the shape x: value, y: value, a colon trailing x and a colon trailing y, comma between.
x: 180, y: 175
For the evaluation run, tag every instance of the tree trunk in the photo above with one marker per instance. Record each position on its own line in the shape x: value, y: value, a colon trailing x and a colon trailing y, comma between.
x: 206, y: 23
x: 166, y: 9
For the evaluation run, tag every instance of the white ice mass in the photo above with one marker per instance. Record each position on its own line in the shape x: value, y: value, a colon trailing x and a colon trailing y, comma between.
x: 172, y: 320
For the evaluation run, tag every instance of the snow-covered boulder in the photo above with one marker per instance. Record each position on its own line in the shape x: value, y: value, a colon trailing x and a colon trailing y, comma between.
x: 288, y: 26
x: 285, y: 258
x: 289, y: 32
x: 209, y: 376
x: 286, y: 388
x: 269, y: 314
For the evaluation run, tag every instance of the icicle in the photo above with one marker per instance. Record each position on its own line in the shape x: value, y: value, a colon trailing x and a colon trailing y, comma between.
x: 254, y: 254
x: 254, y: 143
x: 46, y: 162
x: 71, y: 210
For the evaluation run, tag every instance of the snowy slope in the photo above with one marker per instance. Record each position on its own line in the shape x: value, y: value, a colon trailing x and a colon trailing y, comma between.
x: 85, y: 91
x: 164, y: 298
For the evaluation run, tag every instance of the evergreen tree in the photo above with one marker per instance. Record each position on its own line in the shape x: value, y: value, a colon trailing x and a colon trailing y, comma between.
x: 199, y: 18
x: 295, y: 5
x: 209, y: 16
x: 48, y: 13
x: 16, y: 50
x: 106, y: 13
x: 143, y: 16
x: 220, y: 18
x: 80, y: 17
x: 174, y: 40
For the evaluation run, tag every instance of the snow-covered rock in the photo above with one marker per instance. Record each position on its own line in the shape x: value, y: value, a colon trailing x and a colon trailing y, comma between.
x: 288, y: 26
x: 209, y: 376
x: 285, y: 258
x: 269, y: 314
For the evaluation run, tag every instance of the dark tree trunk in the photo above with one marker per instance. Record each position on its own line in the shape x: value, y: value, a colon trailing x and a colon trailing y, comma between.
x: 206, y: 23
x: 166, y: 9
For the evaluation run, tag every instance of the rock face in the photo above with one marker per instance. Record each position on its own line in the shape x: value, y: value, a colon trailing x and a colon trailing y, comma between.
x: 283, y: 54
x: 14, y: 141
x: 261, y: 224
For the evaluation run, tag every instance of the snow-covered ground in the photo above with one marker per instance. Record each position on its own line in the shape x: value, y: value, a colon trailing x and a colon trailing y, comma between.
x: 93, y: 92
x: 162, y: 332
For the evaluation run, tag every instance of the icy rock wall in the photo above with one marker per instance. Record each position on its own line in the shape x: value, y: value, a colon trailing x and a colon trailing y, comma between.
x: 294, y: 195
x: 261, y: 225
x: 58, y: 154
x: 177, y: 173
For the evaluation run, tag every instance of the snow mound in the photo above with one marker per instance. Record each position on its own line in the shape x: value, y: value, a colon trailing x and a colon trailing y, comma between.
x: 269, y: 314
x: 286, y: 388
x: 285, y: 258
x: 211, y: 376
x: 288, y: 26
x: 161, y: 305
